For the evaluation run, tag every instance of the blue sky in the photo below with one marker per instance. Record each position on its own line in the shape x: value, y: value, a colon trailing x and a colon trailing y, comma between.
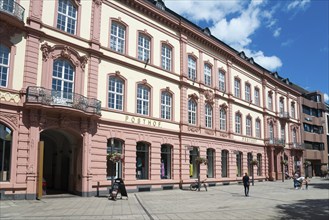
x: 287, y: 36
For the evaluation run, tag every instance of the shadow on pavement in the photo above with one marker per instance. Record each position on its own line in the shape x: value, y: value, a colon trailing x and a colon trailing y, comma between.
x: 306, y: 209
x: 323, y: 185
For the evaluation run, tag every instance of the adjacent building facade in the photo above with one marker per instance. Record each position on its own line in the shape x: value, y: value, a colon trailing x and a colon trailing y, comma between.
x: 86, y: 79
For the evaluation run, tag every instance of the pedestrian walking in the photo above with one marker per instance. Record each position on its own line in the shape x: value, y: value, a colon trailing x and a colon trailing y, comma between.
x: 295, y: 177
x: 246, y: 184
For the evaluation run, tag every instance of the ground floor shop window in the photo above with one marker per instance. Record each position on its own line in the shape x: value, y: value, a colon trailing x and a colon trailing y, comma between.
x: 239, y: 164
x: 165, y: 166
x: 250, y: 166
x: 114, y: 167
x: 210, y: 164
x: 259, y: 168
x: 142, y: 160
x: 194, y: 153
x: 224, y: 163
x: 5, y: 152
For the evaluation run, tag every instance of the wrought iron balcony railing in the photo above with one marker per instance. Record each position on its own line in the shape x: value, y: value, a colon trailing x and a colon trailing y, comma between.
x: 274, y: 141
x: 297, y: 146
x: 13, y: 8
x: 59, y: 98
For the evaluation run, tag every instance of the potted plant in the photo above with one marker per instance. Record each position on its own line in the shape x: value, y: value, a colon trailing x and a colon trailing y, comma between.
x: 115, y: 157
x: 254, y: 162
x: 201, y: 160
x: 307, y: 163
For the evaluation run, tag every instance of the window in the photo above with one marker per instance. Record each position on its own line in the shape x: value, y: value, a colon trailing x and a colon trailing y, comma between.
x: 210, y: 164
x: 239, y: 164
x: 224, y: 163
x: 258, y: 134
x: 250, y: 166
x: 259, y: 167
x: 271, y: 132
x: 62, y: 80
x: 247, y: 93
x: 165, y: 168
x: 221, y: 79
x: 194, y: 153
x: 283, y: 133
x: 117, y: 40
x: 269, y: 102
x: 257, y: 99
x: 4, y: 65
x: 222, y: 119
x: 207, y: 75
x: 192, y: 112
x: 281, y: 105
x: 7, y: 5
x: 116, y: 88
x: 6, y: 136
x: 237, y: 88
x: 143, y: 99
x: 144, y: 47
x: 166, y: 57
x: 208, y: 116
x: 294, y: 136
x: 142, y: 161
x: 191, y: 68
x: 248, y: 126
x: 166, y: 103
x: 67, y: 16
x: 237, y: 123
x: 292, y: 109
x: 114, y: 169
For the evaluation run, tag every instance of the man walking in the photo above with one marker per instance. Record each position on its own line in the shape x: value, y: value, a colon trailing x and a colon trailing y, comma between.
x: 246, y: 184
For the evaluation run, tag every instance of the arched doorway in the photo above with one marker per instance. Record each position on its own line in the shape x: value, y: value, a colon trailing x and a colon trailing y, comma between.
x: 62, y: 161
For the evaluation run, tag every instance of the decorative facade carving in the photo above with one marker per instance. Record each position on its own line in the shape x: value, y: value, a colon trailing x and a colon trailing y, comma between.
x: 209, y: 95
x: 9, y: 97
x: 45, y: 48
x: 98, y: 2
x: 210, y: 132
x: 11, y: 117
x: 193, y: 129
x: 193, y: 96
x: 223, y: 106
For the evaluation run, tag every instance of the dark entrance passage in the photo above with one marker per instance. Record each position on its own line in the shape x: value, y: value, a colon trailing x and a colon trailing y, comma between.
x: 60, y: 166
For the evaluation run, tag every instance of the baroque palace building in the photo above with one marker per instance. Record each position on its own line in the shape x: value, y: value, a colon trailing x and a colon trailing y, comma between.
x: 82, y: 79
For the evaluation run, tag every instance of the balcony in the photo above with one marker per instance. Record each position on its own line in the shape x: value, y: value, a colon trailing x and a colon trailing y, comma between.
x: 12, y: 13
x: 296, y: 146
x: 275, y: 142
x: 47, y: 97
x: 284, y: 115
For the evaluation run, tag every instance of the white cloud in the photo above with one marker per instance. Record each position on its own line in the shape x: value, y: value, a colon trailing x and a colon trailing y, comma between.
x: 287, y: 43
x: 298, y: 4
x: 326, y: 98
x: 234, y: 22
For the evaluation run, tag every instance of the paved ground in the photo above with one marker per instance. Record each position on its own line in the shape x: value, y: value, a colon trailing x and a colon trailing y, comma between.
x: 268, y: 200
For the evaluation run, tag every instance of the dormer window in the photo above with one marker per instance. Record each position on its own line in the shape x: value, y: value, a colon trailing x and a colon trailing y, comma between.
x: 160, y: 4
x: 206, y: 31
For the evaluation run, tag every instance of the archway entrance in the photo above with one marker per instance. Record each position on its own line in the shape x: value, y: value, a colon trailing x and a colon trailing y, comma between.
x: 62, y: 161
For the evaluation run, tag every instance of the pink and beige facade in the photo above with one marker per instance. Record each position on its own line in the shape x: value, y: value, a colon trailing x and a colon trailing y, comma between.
x: 89, y: 78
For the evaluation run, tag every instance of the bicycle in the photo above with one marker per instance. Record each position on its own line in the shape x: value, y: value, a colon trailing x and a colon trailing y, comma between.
x: 194, y: 186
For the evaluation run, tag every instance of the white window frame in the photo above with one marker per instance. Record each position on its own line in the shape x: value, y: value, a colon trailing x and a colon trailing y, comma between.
x: 257, y: 129
x: 222, y: 119
x: 166, y: 56
x: 221, y: 81
x: 192, y: 108
x: 248, y: 126
x: 208, y: 116
x: 67, y: 4
x: 237, y: 86
x: 4, y: 65
x: 191, y: 68
x: 270, y: 102
x: 117, y: 91
x: 144, y: 51
x: 207, y: 74
x: 143, y: 100
x: 166, y: 103
x: 247, y: 92
x: 118, y: 38
x: 238, y: 123
x: 257, y: 98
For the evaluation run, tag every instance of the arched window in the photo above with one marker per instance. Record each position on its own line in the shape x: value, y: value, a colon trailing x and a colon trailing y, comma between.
x: 194, y: 153
x: 114, y: 169
x: 207, y: 75
x: 292, y: 110
x: 144, y: 47
x: 67, y: 16
x: 281, y: 105
x: 166, y: 105
x: 247, y: 92
x: 258, y: 129
x: 118, y: 37
x: 208, y: 116
x: 250, y: 166
x: 294, y: 136
x: 143, y: 99
x: 116, y: 93
x: 238, y: 123
x: 270, y: 101
x: 221, y: 81
x: 191, y: 68
x: 259, y: 168
x: 222, y: 119
x: 210, y: 164
x: 239, y: 164
x: 142, y: 160
x: 6, y: 136
x: 248, y: 126
x: 166, y: 57
x: 192, y: 109
x: 4, y: 65
x: 225, y: 163
x: 237, y: 89
x: 165, y: 167
x: 271, y: 132
x: 63, y: 80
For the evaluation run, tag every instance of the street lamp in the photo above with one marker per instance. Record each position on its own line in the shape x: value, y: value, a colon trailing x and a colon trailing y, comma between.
x: 112, y: 163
